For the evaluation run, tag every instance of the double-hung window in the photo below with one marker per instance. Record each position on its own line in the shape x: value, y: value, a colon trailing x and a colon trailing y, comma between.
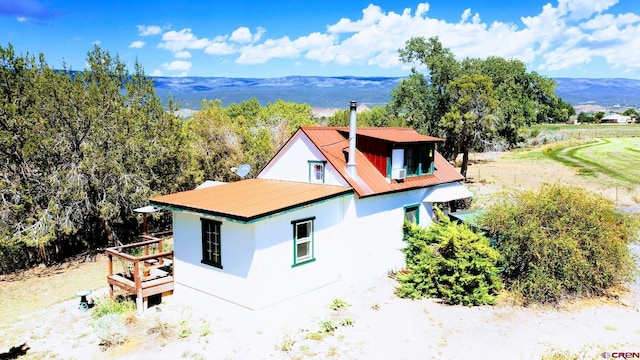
x: 303, y: 241
x: 211, y: 243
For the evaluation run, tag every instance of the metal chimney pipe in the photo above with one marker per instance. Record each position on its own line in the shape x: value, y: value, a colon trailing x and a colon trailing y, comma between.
x: 351, y: 164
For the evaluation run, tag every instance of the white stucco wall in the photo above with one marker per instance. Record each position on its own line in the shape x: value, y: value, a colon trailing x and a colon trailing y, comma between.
x: 293, y: 163
x: 233, y: 283
x: 257, y: 258
x: 375, y: 231
x: 354, y: 240
x: 280, y: 280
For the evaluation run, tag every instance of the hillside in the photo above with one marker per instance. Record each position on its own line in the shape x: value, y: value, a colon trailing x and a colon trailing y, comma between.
x: 336, y: 92
x: 319, y: 92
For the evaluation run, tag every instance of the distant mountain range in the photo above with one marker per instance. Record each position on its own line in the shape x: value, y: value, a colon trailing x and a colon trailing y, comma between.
x: 336, y: 92
x: 609, y: 93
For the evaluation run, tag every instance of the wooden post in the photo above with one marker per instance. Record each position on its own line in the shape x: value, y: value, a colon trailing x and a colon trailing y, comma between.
x: 110, y: 262
x: 144, y: 224
x: 138, y: 279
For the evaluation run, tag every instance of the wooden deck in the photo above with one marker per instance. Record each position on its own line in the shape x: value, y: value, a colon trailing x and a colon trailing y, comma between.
x: 148, y: 272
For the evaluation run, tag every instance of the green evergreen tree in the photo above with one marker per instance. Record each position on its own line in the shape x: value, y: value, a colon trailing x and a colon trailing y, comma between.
x: 451, y: 262
x: 81, y: 150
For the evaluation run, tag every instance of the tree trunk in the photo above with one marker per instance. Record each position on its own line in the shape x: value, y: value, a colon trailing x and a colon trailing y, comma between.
x: 109, y: 232
x: 465, y: 164
x: 466, y: 144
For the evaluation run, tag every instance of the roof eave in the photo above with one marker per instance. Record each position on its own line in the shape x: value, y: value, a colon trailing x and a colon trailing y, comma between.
x: 253, y: 218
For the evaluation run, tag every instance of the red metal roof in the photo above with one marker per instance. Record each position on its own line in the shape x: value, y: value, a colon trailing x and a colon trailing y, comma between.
x: 250, y: 199
x: 393, y: 134
x: 332, y: 143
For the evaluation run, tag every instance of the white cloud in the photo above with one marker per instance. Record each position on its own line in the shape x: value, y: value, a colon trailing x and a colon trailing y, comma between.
x: 157, y: 72
x: 606, y: 20
x: 563, y: 34
x: 320, y: 47
x: 21, y: 19
x: 182, y: 54
x: 244, y: 35
x: 583, y: 9
x: 258, y: 34
x: 465, y: 15
x: 180, y: 40
x: 371, y: 15
x: 149, y: 30
x: 241, y: 35
x: 220, y: 47
x: 137, y: 44
x: 177, y: 65
x: 260, y: 54
x: 422, y: 9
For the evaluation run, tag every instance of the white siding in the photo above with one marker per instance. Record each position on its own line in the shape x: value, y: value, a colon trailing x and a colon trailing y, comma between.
x: 235, y: 282
x: 292, y: 163
x: 257, y: 269
x: 375, y: 231
x: 279, y: 279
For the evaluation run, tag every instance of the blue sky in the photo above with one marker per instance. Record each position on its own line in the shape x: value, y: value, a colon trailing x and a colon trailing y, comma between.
x: 242, y: 38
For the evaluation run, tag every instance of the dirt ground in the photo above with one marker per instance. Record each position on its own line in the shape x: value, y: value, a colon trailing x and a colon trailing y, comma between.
x: 375, y: 325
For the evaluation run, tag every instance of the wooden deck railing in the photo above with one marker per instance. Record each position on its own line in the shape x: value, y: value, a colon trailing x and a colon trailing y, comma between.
x: 148, y: 272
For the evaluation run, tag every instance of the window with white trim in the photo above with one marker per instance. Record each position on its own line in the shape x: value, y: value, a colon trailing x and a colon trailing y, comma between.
x: 211, y: 243
x: 303, y: 246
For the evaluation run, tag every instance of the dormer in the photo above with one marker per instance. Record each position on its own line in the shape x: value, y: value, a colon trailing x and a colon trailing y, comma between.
x: 397, y: 153
x: 409, y: 160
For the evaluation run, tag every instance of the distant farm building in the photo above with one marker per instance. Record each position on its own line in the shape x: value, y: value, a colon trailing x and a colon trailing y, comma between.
x: 616, y: 119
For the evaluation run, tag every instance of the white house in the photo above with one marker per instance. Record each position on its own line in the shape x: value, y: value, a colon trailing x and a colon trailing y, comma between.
x: 614, y: 118
x: 328, y: 208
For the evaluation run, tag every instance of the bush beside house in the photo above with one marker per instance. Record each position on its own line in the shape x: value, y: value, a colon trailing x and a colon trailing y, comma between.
x: 451, y: 262
x: 552, y: 244
x: 561, y: 242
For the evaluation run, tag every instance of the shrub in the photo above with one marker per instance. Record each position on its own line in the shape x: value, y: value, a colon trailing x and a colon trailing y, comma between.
x: 111, y: 330
x: 317, y: 336
x: 105, y: 305
x: 160, y: 326
x: 451, y: 262
x: 327, y: 326
x: 347, y: 322
x: 338, y: 304
x: 287, y: 344
x: 561, y: 242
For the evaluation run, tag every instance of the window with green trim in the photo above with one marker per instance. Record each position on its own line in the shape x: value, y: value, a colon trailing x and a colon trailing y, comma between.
x: 412, y: 213
x: 416, y: 160
x: 303, y: 241
x: 316, y: 171
x: 211, y: 243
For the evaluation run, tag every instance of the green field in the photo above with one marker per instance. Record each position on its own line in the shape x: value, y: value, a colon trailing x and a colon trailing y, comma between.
x: 591, y: 130
x: 609, y: 152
